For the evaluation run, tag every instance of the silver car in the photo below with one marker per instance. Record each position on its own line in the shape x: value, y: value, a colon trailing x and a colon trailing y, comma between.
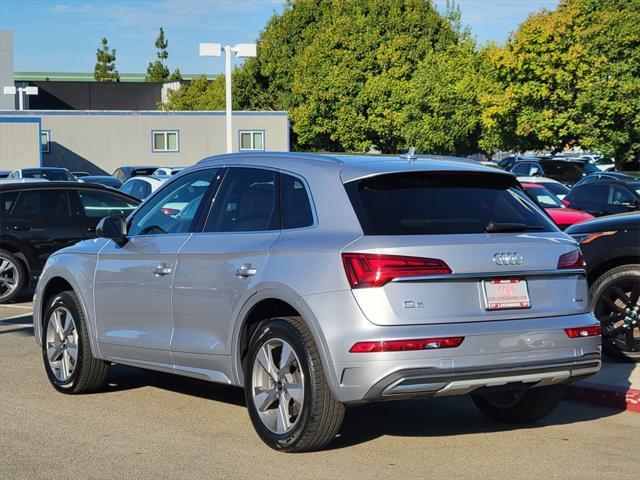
x: 317, y: 282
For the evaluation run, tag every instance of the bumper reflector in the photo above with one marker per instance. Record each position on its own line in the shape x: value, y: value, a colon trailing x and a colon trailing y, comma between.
x: 583, y: 332
x: 406, y: 345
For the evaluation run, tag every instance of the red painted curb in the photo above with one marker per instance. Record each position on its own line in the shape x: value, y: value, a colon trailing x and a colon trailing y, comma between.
x: 619, y: 398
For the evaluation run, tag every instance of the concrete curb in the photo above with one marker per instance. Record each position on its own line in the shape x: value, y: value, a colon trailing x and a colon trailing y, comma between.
x: 618, y: 398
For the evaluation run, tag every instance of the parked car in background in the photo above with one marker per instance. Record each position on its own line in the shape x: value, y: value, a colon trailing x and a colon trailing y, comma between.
x: 46, y: 173
x: 4, y: 173
x: 80, y: 174
x: 596, y: 177
x: 560, y: 190
x: 603, y: 163
x: 605, y: 196
x: 611, y: 247
x: 318, y: 281
x: 168, y: 170
x: 39, y: 218
x: 106, y: 180
x: 563, y: 216
x: 507, y: 162
x: 125, y: 173
x: 565, y: 170
x: 142, y: 187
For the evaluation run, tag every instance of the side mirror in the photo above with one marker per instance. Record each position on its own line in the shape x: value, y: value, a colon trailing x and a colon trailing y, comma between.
x: 113, y: 227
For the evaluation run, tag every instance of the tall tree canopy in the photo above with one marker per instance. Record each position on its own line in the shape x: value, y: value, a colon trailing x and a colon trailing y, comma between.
x: 105, y: 68
x: 571, y: 77
x: 157, y: 71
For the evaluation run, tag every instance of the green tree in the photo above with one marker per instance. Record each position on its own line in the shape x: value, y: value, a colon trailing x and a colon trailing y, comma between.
x: 105, y: 69
x: 200, y: 94
x: 571, y: 77
x: 157, y: 71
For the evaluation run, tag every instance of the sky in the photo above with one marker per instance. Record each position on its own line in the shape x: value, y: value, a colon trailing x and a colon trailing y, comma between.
x: 63, y: 35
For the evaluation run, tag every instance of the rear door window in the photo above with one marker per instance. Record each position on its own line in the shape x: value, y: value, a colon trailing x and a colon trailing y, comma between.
x: 425, y: 203
x: 246, y: 202
x: 97, y: 204
x: 589, y: 193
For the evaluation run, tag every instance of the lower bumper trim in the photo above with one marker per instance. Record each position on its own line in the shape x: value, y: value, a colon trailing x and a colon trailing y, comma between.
x: 438, y: 382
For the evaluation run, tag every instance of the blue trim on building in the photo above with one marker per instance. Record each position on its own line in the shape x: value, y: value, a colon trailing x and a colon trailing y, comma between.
x: 30, y: 119
x: 30, y: 113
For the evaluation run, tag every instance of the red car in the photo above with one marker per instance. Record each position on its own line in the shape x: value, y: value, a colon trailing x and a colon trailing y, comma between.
x: 563, y: 216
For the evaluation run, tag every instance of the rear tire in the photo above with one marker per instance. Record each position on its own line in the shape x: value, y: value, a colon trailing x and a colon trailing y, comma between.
x: 312, y: 416
x: 66, y: 349
x: 616, y: 303
x: 13, y: 276
x: 519, y: 407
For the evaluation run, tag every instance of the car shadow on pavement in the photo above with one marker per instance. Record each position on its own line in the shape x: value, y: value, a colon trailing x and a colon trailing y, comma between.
x: 442, y: 417
x: 21, y: 325
x: 123, y: 377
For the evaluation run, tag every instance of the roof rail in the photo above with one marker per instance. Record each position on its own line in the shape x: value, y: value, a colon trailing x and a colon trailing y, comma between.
x: 270, y: 154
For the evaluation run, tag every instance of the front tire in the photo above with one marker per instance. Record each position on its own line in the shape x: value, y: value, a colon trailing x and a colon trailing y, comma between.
x: 519, y: 407
x: 288, y: 398
x: 66, y: 351
x: 616, y: 303
x: 13, y: 276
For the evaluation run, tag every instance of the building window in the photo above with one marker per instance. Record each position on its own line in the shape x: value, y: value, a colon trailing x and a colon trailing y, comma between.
x: 165, y: 141
x: 251, y: 140
x: 45, y: 138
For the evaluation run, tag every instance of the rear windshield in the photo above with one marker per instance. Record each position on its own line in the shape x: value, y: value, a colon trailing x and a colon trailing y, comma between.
x: 51, y: 175
x: 426, y: 203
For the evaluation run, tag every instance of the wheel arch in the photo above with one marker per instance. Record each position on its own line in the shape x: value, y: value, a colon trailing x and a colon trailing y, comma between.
x: 276, y: 302
x: 21, y: 251
x: 609, y: 264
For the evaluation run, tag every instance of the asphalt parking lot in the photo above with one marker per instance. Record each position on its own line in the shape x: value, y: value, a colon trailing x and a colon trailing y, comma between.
x: 149, y: 425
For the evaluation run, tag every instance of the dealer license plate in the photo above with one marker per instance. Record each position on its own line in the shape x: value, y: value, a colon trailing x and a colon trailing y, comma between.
x: 506, y: 294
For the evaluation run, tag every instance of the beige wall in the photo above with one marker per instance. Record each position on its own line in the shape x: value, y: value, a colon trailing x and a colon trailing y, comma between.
x: 7, y: 102
x: 19, y: 145
x: 107, y: 140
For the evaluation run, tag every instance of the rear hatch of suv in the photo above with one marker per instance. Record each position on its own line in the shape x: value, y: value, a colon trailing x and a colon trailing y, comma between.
x: 448, y: 247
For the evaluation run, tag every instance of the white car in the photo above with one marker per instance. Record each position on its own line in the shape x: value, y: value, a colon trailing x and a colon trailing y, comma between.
x: 168, y: 170
x: 603, y: 164
x: 143, y: 186
x: 558, y: 189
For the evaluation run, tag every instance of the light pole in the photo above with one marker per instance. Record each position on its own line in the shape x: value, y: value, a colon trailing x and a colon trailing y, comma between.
x: 20, y: 91
x: 242, y: 50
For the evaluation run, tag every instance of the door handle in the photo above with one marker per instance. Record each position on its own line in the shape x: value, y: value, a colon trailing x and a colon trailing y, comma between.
x: 246, y: 270
x: 162, y: 270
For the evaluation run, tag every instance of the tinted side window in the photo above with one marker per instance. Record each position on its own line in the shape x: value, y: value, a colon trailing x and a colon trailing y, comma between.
x: 173, y: 209
x: 7, y: 200
x: 296, y: 210
x: 98, y: 204
x: 591, y: 193
x: 246, y: 202
x: 42, y: 203
x: 620, y: 195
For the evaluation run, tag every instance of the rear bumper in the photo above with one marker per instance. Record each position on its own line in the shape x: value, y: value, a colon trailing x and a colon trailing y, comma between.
x: 413, y: 383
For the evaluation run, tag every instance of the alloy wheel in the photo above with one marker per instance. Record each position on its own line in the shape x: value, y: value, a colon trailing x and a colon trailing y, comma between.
x: 62, y: 344
x: 277, y: 386
x: 618, y: 309
x: 8, y: 277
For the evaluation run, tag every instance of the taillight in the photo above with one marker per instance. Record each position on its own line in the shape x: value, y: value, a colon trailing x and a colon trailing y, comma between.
x: 373, y: 270
x: 571, y: 260
x: 406, y: 345
x: 583, y: 332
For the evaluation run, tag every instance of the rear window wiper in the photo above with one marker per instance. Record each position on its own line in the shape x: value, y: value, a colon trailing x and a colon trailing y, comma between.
x: 493, y: 227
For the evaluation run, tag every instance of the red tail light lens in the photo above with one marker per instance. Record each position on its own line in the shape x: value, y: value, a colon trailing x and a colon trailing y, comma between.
x: 372, y: 270
x: 406, y: 345
x: 571, y: 260
x: 583, y: 332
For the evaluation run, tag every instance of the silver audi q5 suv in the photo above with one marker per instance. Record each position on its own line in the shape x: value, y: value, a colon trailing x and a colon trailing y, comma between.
x: 317, y: 282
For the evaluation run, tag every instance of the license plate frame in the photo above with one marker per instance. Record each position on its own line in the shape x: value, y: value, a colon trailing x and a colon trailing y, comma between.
x: 514, y: 297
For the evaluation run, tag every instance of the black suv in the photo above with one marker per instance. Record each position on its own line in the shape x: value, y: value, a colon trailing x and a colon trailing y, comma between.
x: 567, y: 171
x: 39, y: 218
x: 611, y: 247
x: 605, y: 195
